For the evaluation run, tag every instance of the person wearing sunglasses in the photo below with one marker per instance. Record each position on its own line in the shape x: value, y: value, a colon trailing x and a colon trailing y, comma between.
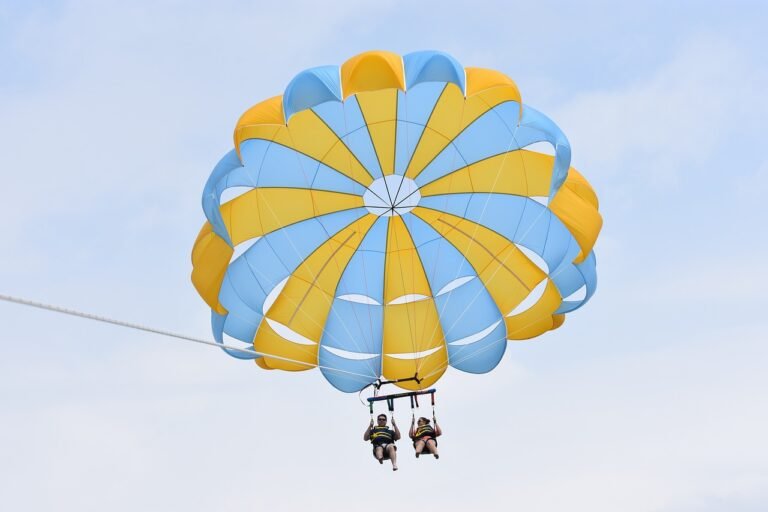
x: 383, y: 439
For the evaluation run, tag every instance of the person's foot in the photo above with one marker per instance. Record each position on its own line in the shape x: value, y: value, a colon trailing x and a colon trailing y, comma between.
x: 394, y: 468
x: 381, y: 461
x: 437, y: 456
x: 417, y: 455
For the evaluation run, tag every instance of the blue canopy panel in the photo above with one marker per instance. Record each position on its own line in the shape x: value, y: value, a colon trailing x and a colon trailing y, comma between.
x: 268, y: 164
x: 452, y: 203
x: 541, y: 231
x: 310, y: 88
x: 496, y: 132
x: 533, y: 222
x: 217, y: 325
x: 535, y: 127
x: 443, y: 264
x: 285, y: 167
x: 243, y: 298
x: 474, y: 329
x: 472, y: 324
x: 532, y: 226
x: 352, y: 342
x: 588, y: 269
x: 281, y: 166
x: 355, y: 328
x: 296, y: 242
x: 538, y: 230
x: 333, y: 115
x: 574, y: 277
x: 343, y: 117
x: 211, y: 195
x: 413, y: 110
x: 346, y: 120
x: 252, y: 155
x: 272, y: 258
x: 520, y: 219
x: 487, y: 136
x: 448, y: 160
x: 352, y: 336
x: 327, y: 178
x: 364, y: 275
x: 565, y: 276
x: 432, y: 66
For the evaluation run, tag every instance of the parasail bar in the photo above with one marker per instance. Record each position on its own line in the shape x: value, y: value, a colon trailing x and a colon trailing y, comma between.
x: 401, y: 395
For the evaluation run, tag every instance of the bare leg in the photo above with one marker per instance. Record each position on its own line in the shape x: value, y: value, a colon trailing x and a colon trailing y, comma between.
x: 378, y: 452
x: 432, y: 448
x: 392, y: 452
x: 419, y: 447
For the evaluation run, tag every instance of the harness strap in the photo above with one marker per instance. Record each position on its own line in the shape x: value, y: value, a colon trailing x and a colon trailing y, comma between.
x: 434, y: 420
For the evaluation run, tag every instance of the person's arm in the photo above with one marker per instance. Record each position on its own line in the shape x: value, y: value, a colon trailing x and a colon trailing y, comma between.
x: 367, y: 435
x: 412, y: 431
x: 438, y: 431
x: 397, y: 430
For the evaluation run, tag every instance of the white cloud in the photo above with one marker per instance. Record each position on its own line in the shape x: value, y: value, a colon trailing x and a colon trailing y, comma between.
x: 672, y: 122
x: 180, y: 425
x: 105, y: 150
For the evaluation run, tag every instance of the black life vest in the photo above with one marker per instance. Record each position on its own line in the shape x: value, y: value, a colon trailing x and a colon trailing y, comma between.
x: 382, y: 435
x: 424, y: 430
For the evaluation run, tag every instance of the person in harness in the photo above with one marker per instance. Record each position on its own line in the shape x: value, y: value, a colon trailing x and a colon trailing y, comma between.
x: 424, y: 436
x: 383, y: 439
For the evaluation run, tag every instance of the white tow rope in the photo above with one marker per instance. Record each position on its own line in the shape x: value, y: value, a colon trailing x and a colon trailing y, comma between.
x: 138, y: 327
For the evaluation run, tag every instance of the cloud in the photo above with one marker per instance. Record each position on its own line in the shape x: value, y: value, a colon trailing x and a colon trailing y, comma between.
x: 120, y: 113
x: 670, y: 426
x: 672, y: 122
x: 113, y: 122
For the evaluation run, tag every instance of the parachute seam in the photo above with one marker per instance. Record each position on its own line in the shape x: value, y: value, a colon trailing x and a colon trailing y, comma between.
x: 507, y: 334
x: 478, y: 223
x: 414, y: 343
x: 513, y: 139
x: 291, y: 273
x: 437, y: 258
x: 357, y: 318
x: 375, y: 151
x: 432, y: 299
x: 309, y: 156
x: 469, y: 174
x: 421, y: 135
x: 450, y: 141
x: 339, y: 140
x: 487, y: 347
x: 301, y: 165
x: 341, y: 276
x: 319, y: 272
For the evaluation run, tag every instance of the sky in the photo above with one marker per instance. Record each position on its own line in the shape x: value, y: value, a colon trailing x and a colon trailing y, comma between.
x: 653, y: 397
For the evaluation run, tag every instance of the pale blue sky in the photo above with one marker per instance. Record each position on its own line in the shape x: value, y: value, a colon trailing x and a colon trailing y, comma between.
x: 651, y: 398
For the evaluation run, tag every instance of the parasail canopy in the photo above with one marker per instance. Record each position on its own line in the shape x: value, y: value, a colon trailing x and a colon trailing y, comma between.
x: 389, y: 218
